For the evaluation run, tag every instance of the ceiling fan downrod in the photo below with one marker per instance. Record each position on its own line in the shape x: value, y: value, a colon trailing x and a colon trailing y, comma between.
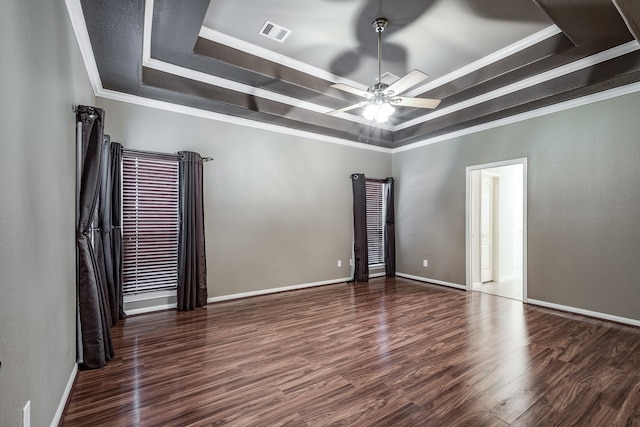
x: 379, y: 26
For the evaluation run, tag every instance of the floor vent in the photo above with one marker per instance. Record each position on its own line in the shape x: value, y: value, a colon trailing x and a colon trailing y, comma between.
x: 274, y: 31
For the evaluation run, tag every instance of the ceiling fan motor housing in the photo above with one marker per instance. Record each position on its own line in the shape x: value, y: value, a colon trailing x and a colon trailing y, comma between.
x: 378, y: 88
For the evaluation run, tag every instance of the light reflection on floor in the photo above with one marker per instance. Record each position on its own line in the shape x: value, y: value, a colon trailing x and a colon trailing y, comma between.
x: 500, y: 338
x: 507, y: 288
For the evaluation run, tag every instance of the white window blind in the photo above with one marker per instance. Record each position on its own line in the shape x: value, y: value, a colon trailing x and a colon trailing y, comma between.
x: 375, y: 221
x: 150, y: 225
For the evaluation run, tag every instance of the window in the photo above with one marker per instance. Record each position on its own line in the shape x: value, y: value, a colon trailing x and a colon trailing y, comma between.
x: 150, y: 222
x: 375, y: 191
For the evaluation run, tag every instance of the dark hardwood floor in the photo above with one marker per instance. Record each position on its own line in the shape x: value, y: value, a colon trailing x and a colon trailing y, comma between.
x: 388, y: 353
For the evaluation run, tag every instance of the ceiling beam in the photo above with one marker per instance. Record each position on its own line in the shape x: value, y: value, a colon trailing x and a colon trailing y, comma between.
x: 593, y: 22
x: 630, y: 12
x: 605, y: 75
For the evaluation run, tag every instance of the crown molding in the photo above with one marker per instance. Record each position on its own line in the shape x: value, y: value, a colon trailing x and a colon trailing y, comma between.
x: 566, y: 105
x: 499, y: 55
x: 580, y: 64
x: 78, y: 23
x: 269, y: 55
x: 74, y: 8
x: 197, y: 112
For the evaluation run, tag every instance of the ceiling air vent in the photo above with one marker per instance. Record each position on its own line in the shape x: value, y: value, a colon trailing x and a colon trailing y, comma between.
x: 274, y: 31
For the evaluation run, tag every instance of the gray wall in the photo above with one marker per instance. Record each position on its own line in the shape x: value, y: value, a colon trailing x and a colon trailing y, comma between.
x: 278, y: 208
x: 42, y: 77
x: 583, y: 204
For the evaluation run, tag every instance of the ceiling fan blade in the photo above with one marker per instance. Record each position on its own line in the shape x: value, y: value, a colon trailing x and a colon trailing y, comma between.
x: 350, y: 107
x: 351, y: 89
x: 405, y: 101
x: 407, y: 82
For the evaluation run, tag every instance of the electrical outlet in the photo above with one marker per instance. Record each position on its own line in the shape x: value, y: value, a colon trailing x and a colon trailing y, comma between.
x: 425, y: 263
x: 350, y: 261
x: 339, y: 263
x: 26, y: 414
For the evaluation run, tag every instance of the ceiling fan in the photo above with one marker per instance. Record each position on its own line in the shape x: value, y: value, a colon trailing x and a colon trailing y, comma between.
x: 381, y: 97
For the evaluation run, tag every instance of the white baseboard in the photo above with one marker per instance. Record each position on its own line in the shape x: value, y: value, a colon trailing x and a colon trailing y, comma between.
x: 589, y: 313
x: 240, y: 295
x: 65, y: 396
x: 150, y: 309
x: 434, y: 281
x: 505, y: 278
x: 276, y: 290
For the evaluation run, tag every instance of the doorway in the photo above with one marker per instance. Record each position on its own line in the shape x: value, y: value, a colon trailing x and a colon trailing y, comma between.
x: 496, y: 228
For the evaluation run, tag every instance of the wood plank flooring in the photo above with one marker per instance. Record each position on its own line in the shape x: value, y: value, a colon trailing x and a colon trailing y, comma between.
x: 388, y: 353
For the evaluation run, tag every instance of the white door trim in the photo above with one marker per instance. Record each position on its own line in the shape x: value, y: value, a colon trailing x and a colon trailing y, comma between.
x: 468, y: 218
x: 494, y: 213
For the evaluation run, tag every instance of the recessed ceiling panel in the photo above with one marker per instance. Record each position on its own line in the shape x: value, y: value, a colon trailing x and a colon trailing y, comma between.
x: 436, y: 37
x: 482, y: 61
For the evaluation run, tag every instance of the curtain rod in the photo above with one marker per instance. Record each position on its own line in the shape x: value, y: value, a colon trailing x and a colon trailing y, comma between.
x: 93, y: 114
x: 175, y: 156
x: 74, y: 108
x: 381, y: 180
x: 151, y: 153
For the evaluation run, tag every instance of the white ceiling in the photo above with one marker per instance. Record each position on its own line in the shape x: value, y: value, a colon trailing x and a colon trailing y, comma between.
x: 435, y: 37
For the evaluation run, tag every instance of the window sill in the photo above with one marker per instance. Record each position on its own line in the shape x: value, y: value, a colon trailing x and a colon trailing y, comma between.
x: 376, y: 266
x: 149, y: 296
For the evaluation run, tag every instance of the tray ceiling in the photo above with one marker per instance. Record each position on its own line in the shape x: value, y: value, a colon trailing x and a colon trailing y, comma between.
x: 487, y: 59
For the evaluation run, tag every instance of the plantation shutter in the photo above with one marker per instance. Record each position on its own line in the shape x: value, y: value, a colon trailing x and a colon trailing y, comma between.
x: 375, y: 222
x: 150, y: 224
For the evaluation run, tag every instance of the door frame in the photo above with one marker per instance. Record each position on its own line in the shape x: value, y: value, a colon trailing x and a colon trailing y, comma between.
x: 495, y: 232
x: 469, y: 217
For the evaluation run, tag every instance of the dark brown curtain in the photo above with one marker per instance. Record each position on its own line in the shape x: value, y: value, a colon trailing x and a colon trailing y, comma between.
x: 192, y: 266
x: 93, y: 304
x: 110, y: 218
x: 360, y: 248
x: 389, y: 231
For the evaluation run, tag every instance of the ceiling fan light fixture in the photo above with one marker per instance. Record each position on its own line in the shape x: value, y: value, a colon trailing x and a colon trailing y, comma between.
x: 381, y: 95
x: 379, y: 112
